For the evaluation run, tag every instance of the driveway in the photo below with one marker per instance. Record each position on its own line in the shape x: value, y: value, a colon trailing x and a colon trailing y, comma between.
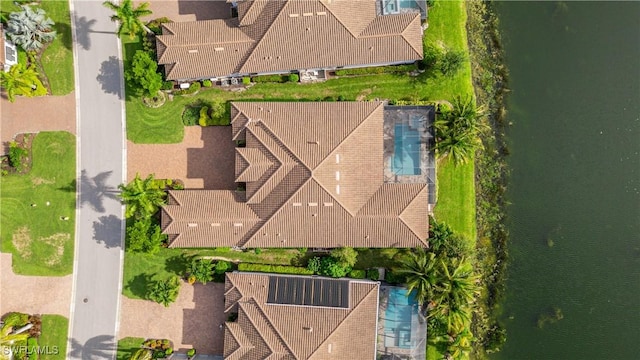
x: 205, y: 159
x: 193, y: 321
x: 33, y: 294
x: 179, y: 11
x: 30, y: 115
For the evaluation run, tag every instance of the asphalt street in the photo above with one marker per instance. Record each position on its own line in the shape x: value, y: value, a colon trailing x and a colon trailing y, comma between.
x: 97, y: 271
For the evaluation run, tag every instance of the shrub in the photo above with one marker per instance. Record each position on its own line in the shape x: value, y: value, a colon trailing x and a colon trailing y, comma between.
x: 294, y: 78
x: 331, y: 267
x: 357, y: 274
x: 164, y: 292
x: 314, y: 265
x: 451, y: 62
x: 17, y: 155
x: 191, y: 352
x: 432, y: 55
x: 144, y: 236
x: 143, y: 73
x: 220, y: 113
x: 345, y: 256
x: 154, y: 25
x: 190, y: 115
x: 269, y: 79
x: 167, y: 85
x: 373, y: 274
x: 341, y: 98
x: 222, y: 267
x: 246, y: 80
x: 257, y: 251
x: 204, y: 116
x: 277, y: 269
x: 207, y: 83
x: 201, y: 269
x: 391, y: 69
x: 193, y: 88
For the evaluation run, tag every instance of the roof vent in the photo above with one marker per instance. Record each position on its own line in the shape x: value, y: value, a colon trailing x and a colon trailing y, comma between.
x: 337, y: 158
x: 338, y: 189
x: 193, y: 51
x: 192, y: 224
x: 328, y: 204
x: 321, y: 13
x: 218, y: 49
x: 338, y: 175
x: 215, y: 224
x: 313, y: 142
x: 307, y: 328
x: 297, y: 204
x: 307, y: 14
x: 294, y: 15
x: 237, y: 224
x: 308, y: 28
x: 313, y: 204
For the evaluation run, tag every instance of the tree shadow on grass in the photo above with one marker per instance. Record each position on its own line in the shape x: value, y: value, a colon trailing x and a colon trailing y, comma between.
x: 63, y: 32
x: 177, y: 264
x: 138, y: 285
x: 71, y: 187
x: 110, y: 78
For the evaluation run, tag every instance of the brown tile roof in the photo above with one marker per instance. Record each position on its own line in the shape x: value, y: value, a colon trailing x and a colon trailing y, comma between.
x: 279, y: 36
x: 273, y: 331
x: 314, y: 178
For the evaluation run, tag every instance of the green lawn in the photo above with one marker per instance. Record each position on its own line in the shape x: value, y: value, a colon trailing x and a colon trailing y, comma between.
x: 57, y: 59
x: 456, y: 198
x: 127, y: 346
x: 41, y: 243
x: 54, y: 336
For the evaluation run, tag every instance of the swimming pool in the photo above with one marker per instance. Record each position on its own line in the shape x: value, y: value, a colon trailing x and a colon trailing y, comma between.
x: 398, y: 315
x: 406, y: 151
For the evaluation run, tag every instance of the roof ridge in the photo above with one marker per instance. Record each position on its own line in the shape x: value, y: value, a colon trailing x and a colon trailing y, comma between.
x: 340, y: 21
x: 236, y: 336
x: 404, y: 37
x: 349, y: 315
x: 409, y: 204
x: 255, y: 303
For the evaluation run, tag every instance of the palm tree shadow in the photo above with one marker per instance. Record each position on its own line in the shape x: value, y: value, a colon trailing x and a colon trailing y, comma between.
x: 110, y: 78
x: 83, y: 28
x: 98, y: 347
x: 63, y: 31
x: 94, y: 190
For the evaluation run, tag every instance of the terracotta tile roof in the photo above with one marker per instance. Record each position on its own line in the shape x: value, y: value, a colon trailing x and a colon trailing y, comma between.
x: 267, y: 330
x: 279, y: 36
x: 309, y: 183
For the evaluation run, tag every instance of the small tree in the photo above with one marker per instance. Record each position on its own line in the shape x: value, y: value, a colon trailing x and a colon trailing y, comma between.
x: 20, y: 80
x: 143, y: 72
x: 201, y: 270
x: 143, y: 197
x: 330, y: 267
x: 345, y: 256
x: 144, y: 236
x: 164, y: 292
x: 30, y: 29
x: 451, y: 62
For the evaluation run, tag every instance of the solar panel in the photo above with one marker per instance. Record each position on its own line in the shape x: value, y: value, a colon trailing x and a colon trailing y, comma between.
x: 308, y: 292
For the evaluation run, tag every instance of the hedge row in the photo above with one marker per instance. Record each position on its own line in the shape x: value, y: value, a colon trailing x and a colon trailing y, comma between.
x: 392, y: 69
x: 270, y: 79
x: 277, y: 269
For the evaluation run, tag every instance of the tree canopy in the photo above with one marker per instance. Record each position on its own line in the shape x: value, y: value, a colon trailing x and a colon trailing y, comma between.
x: 129, y: 16
x: 144, y: 73
x: 30, y: 29
x: 457, y: 131
x: 21, y: 80
x: 143, y: 197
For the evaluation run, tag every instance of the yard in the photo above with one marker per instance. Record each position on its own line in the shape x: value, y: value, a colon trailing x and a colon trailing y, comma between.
x: 34, y: 205
x: 54, y: 336
x: 57, y: 58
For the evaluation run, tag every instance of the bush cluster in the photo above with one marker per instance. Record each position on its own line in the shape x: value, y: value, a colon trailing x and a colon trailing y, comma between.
x: 207, y: 83
x: 145, y: 236
x: 167, y: 85
x: 17, y: 156
x: 391, y: 69
x: 357, y: 274
x: 277, y: 269
x: 154, y: 25
x: 270, y: 79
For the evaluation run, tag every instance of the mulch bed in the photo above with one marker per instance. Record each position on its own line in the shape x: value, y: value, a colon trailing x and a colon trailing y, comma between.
x: 24, y: 141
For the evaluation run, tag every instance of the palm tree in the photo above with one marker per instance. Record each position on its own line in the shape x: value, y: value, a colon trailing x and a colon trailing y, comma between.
x: 20, y: 80
x: 142, y: 354
x: 457, y: 131
x: 30, y: 29
x: 460, y: 346
x: 422, y: 277
x: 7, y: 339
x: 143, y: 197
x: 455, y: 292
x: 129, y: 17
x: 164, y: 292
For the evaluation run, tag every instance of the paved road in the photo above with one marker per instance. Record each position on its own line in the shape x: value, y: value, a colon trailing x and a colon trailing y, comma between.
x: 97, y: 272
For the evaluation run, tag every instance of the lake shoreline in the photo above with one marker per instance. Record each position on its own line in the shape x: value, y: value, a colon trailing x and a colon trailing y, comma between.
x: 490, y: 79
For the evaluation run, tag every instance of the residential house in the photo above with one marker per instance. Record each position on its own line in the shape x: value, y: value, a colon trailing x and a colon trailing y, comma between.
x: 283, y: 36
x: 297, y: 317
x: 316, y: 175
x: 8, y: 52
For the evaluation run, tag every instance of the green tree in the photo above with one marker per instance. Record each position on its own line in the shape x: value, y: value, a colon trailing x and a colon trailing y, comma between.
x: 455, y: 292
x: 144, y: 73
x: 345, y: 256
x: 421, y: 274
x: 142, y: 197
x: 142, y: 354
x: 7, y: 337
x: 451, y: 62
x: 330, y: 267
x: 20, y: 80
x: 164, y: 292
x: 144, y: 236
x: 30, y: 29
x: 460, y: 345
x: 201, y: 269
x: 129, y: 16
x: 457, y: 131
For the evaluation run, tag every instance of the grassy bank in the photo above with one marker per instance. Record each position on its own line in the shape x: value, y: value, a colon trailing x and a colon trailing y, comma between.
x: 41, y: 243
x: 490, y: 81
x: 54, y: 336
x: 57, y: 58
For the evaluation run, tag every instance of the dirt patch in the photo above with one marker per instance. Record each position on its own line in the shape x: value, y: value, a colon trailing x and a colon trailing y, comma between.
x: 40, y: 181
x: 22, y: 242
x: 363, y: 95
x: 57, y: 241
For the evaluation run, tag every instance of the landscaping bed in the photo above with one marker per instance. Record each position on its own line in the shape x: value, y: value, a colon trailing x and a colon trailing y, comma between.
x: 36, y: 337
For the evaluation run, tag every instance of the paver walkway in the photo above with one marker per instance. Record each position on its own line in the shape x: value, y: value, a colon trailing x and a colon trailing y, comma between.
x: 192, y: 321
x: 180, y: 10
x: 205, y: 159
x: 32, y: 294
x: 45, y: 113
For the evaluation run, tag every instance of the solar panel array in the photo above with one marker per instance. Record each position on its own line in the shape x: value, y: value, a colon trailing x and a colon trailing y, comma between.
x: 308, y: 291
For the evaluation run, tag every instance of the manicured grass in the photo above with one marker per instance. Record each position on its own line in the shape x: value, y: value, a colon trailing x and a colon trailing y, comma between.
x: 41, y: 243
x: 140, y: 269
x: 54, y: 336
x: 127, y: 346
x: 57, y: 59
x: 456, y: 198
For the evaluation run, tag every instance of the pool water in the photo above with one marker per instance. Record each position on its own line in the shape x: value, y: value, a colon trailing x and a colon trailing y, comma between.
x: 398, y: 317
x: 406, y: 157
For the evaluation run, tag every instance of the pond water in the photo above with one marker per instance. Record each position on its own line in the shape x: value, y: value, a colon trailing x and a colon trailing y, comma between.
x: 574, y: 276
